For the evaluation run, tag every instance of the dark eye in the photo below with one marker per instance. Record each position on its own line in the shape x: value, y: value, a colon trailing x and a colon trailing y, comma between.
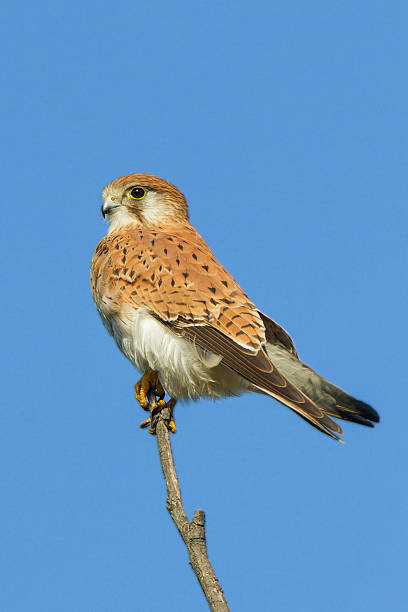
x: 137, y: 193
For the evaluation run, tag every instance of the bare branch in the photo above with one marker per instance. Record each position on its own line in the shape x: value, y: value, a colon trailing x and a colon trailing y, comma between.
x: 193, y: 533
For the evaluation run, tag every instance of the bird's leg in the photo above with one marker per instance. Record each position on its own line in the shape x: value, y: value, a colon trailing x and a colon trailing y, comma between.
x: 150, y: 382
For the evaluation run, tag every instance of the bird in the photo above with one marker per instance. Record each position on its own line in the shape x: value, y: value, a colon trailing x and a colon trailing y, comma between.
x: 184, y: 322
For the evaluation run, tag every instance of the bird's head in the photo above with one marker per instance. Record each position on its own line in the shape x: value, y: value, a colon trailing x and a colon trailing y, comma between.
x: 143, y: 199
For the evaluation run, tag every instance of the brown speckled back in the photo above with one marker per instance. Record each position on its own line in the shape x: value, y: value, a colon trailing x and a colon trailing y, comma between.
x: 173, y: 272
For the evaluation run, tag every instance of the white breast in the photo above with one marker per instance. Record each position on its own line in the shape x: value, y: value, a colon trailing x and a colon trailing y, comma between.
x: 185, y: 370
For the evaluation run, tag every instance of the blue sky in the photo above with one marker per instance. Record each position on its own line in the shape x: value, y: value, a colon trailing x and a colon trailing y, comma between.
x: 285, y: 124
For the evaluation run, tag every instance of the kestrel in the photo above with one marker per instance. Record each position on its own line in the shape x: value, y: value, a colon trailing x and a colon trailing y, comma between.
x: 185, y: 323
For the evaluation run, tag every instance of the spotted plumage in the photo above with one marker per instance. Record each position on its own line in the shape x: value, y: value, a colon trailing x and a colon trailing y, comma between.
x: 174, y: 274
x: 173, y: 308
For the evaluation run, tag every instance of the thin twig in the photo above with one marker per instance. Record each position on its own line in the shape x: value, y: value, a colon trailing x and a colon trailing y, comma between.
x: 193, y: 533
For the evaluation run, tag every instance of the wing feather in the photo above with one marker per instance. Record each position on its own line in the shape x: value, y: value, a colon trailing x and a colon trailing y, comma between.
x: 258, y: 369
x: 275, y: 334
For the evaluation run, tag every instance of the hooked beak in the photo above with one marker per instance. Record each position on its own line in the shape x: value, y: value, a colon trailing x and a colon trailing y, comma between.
x: 109, y: 205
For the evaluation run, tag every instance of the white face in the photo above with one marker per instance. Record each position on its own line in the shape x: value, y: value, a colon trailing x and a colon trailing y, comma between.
x: 136, y: 205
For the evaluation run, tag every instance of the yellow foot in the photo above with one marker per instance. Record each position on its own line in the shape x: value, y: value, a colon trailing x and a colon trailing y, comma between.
x: 151, y: 422
x: 149, y: 382
x: 171, y: 425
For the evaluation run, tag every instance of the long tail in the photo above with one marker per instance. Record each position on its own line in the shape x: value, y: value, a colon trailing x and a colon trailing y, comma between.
x: 329, y: 398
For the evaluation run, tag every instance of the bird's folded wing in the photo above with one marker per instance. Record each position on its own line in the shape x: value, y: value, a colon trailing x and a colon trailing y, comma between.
x: 258, y: 369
